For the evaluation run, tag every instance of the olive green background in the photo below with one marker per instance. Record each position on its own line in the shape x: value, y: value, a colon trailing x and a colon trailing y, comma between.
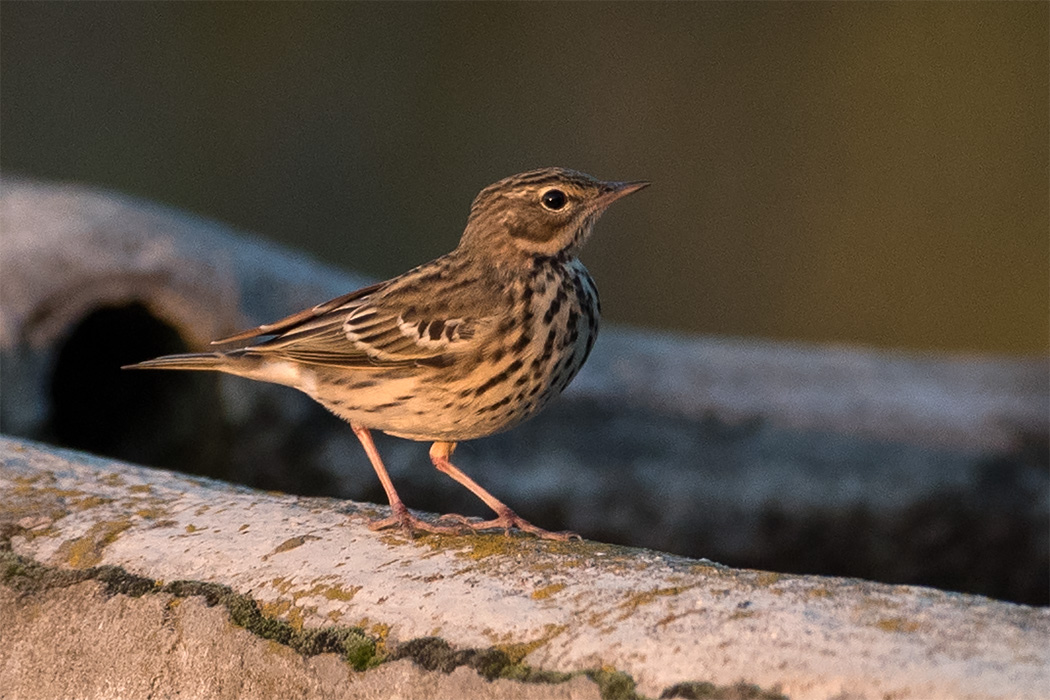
x: 870, y: 174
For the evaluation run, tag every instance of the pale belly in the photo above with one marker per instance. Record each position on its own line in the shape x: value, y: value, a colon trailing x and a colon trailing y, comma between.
x: 479, y: 396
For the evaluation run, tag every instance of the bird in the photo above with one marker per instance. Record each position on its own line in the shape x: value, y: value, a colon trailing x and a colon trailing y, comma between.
x: 467, y: 345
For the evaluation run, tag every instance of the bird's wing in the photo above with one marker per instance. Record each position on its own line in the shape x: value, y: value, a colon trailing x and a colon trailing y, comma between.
x: 299, y: 318
x: 368, y: 329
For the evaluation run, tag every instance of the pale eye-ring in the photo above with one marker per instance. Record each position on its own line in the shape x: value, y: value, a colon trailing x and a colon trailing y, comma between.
x: 553, y: 199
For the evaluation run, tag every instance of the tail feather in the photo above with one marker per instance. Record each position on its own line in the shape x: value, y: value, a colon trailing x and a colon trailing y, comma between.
x: 242, y: 363
x: 195, y: 360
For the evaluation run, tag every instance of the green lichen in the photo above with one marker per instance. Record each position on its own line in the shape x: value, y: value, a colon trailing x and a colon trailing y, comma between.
x: 547, y: 591
x: 331, y: 592
x: 646, y: 597
x: 496, y: 548
x: 88, y: 502
x: 517, y: 651
x: 86, y: 551
x: 111, y: 479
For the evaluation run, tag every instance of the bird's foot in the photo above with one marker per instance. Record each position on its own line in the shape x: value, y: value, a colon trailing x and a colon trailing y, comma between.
x: 508, y: 519
x: 410, y: 524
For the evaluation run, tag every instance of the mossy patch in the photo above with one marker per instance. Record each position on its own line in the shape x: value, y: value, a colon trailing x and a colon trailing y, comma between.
x: 614, y: 685
x: 26, y: 576
x: 435, y: 654
x: 710, y: 691
x: 285, y: 610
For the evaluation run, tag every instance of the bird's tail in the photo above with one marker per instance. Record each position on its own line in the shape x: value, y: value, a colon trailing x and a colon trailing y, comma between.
x: 242, y: 362
x: 195, y: 360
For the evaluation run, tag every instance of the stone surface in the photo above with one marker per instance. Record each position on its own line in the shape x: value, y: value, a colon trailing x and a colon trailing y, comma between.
x: 78, y: 643
x: 898, y: 466
x: 571, y: 607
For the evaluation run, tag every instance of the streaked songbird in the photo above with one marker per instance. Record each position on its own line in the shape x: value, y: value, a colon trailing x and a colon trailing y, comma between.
x: 464, y: 346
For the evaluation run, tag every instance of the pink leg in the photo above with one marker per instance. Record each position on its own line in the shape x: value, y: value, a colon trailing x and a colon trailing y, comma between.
x: 505, y: 517
x: 400, y: 515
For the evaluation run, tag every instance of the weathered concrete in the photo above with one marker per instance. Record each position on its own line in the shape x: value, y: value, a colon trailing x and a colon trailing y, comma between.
x: 78, y: 642
x: 569, y: 607
x: 898, y: 466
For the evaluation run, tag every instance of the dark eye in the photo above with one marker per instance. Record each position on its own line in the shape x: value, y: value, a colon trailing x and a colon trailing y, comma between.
x: 553, y: 199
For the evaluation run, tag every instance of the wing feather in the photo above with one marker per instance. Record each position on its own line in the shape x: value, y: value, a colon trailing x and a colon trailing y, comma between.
x: 372, y: 327
x: 299, y: 318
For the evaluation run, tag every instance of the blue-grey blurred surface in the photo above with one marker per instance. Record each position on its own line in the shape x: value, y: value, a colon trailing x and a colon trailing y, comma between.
x: 861, y: 173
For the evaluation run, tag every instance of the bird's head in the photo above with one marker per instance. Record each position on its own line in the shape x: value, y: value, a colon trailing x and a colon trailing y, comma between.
x: 548, y: 212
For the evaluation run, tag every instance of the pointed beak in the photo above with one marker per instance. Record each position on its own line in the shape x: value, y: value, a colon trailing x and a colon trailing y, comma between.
x: 611, y: 191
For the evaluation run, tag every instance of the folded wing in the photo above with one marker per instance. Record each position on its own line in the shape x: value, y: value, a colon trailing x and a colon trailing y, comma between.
x: 363, y: 329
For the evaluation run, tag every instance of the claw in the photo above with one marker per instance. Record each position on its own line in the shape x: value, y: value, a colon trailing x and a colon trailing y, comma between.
x: 509, y: 519
x: 410, y: 524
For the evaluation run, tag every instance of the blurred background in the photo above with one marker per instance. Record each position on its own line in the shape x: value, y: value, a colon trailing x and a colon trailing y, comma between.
x: 872, y: 174
x: 863, y: 174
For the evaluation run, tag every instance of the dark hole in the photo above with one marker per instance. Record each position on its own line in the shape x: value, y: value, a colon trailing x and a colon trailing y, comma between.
x: 165, y: 419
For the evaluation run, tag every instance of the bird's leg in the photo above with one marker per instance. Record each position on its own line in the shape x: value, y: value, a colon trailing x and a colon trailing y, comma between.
x: 400, y: 515
x: 505, y: 517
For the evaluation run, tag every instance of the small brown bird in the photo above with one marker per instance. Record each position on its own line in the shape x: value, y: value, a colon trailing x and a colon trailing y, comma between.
x: 464, y: 346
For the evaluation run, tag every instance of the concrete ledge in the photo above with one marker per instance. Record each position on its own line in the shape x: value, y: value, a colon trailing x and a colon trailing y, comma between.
x: 126, y: 646
x: 905, y: 467
x: 626, y: 622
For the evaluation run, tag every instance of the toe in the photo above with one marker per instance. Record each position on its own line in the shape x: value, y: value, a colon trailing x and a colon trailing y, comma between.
x: 410, y: 524
x: 511, y: 520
